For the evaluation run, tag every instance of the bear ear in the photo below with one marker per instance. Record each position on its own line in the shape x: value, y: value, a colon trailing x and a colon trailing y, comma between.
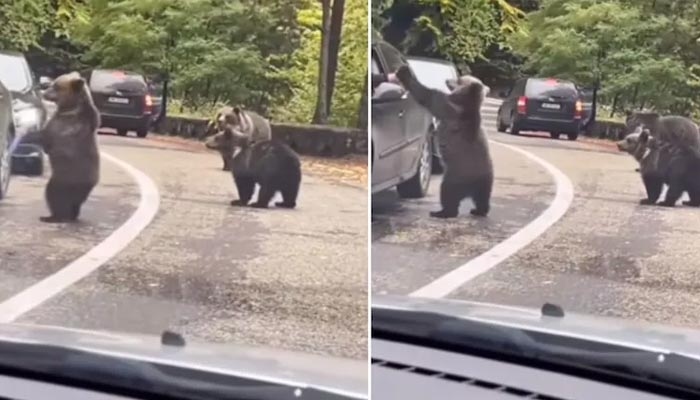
x: 237, y: 110
x: 644, y: 136
x: 77, y: 84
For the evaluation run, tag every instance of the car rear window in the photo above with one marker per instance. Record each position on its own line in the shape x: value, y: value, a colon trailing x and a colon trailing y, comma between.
x: 550, y: 87
x: 101, y: 80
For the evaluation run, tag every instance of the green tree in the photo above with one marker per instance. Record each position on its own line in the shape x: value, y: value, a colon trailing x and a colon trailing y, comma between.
x: 214, y: 50
x: 304, y: 69
x: 23, y: 23
x: 642, y: 53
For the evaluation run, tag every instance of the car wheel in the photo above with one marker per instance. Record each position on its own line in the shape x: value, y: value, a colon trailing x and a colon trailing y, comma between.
x: 514, y: 130
x: 500, y: 126
x: 121, y: 132
x: 417, y: 186
x: 573, y: 136
x: 5, y: 169
x: 142, y: 133
x: 555, y: 135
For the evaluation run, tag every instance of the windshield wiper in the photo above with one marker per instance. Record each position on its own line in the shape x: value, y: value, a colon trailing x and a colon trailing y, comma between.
x: 660, y: 372
x: 98, y: 372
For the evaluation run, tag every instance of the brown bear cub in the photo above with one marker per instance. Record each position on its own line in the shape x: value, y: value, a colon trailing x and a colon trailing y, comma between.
x: 70, y: 141
x: 271, y: 164
x: 256, y: 127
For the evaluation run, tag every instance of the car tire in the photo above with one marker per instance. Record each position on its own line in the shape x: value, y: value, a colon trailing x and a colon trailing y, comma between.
x: 573, y: 136
x: 514, y: 130
x: 142, y: 133
x: 555, y: 135
x: 121, y: 132
x: 417, y: 186
x: 500, y: 126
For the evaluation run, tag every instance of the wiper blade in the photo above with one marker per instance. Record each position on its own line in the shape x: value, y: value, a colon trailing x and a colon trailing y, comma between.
x: 537, y: 349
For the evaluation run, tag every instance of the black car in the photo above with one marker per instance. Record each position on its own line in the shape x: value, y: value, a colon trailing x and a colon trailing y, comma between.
x: 542, y: 104
x: 30, y: 111
x: 124, y: 101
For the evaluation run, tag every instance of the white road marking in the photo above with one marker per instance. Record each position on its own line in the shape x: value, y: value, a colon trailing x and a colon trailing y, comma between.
x: 454, y: 279
x: 29, y: 298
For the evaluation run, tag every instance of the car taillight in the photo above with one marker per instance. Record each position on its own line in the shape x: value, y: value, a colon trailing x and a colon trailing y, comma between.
x: 579, y: 109
x: 522, y: 105
x: 149, y: 104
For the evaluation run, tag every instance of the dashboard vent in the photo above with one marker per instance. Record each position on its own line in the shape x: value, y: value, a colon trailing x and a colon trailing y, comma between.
x: 525, y: 394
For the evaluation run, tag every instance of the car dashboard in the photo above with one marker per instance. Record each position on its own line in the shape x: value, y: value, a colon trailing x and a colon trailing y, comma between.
x: 409, y: 372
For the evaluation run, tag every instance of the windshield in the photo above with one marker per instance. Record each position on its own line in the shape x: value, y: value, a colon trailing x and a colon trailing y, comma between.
x: 549, y: 87
x: 131, y: 213
x: 572, y: 183
x: 101, y: 80
x: 14, y: 73
x: 433, y: 74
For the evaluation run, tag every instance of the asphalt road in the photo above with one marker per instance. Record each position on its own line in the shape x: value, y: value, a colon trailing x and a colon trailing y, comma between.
x: 606, y: 256
x: 294, y: 279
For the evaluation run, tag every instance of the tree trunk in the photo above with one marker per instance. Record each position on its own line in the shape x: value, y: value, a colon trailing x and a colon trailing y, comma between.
x: 634, y: 95
x: 320, y: 115
x: 614, y: 105
x: 362, y: 116
x: 334, y: 49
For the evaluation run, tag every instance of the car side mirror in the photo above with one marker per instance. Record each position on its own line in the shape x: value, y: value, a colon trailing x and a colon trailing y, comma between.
x: 45, y: 82
x: 388, y: 92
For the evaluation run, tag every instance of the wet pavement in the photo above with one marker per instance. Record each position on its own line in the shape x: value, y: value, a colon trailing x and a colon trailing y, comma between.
x: 606, y: 256
x: 295, y: 279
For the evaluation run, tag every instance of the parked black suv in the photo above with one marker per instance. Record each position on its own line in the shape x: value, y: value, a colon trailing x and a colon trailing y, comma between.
x: 542, y: 104
x: 124, y: 101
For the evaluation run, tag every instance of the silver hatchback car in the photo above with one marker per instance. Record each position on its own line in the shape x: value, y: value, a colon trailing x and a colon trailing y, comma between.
x: 401, y: 131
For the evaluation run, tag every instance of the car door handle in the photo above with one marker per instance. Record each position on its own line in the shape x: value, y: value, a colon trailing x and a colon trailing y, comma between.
x: 401, y: 114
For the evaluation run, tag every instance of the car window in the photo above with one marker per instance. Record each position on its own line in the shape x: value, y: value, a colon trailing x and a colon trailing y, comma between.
x: 14, y: 73
x: 102, y: 80
x: 550, y: 87
x: 433, y: 74
x: 376, y: 69
x: 393, y: 57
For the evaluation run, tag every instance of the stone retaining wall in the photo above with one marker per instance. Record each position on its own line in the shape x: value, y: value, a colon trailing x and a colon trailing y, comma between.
x: 313, y: 140
x: 609, y: 130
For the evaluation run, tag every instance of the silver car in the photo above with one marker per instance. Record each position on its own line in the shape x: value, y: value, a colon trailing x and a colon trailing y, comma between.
x: 401, y: 145
x: 7, y: 136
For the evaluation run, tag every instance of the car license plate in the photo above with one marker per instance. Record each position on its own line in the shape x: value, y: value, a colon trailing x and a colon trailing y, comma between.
x: 551, y: 106
x: 118, y: 100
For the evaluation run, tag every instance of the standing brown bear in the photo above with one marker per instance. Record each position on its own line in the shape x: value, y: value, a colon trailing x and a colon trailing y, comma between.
x: 70, y: 140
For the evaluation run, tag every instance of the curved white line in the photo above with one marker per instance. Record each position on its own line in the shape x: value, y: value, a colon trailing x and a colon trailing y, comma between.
x: 451, y: 281
x: 52, y: 285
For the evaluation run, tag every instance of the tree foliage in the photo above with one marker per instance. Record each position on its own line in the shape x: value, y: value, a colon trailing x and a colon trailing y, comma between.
x: 352, y: 66
x: 643, y: 54
x: 459, y: 30
x: 255, y: 53
x: 24, y: 22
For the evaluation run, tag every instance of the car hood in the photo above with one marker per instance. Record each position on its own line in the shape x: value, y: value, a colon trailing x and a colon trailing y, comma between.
x: 343, y: 376
x: 637, y: 334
